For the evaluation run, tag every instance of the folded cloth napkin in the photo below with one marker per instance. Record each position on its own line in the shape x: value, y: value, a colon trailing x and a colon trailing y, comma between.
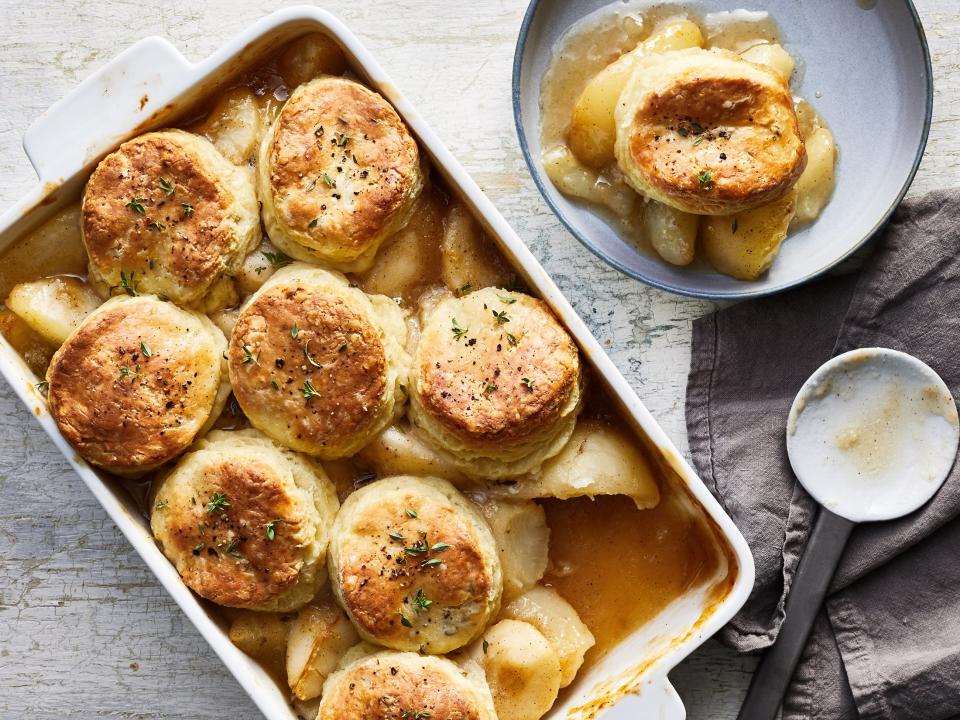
x: 887, y: 643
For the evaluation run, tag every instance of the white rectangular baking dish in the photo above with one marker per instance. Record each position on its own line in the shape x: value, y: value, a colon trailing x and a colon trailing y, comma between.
x: 147, y: 86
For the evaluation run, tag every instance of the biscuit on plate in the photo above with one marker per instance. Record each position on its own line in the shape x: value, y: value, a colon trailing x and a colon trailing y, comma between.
x: 708, y: 132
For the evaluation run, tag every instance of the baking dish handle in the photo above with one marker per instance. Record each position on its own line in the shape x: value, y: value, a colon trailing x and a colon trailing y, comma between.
x: 141, y: 80
x: 655, y: 700
x: 667, y: 704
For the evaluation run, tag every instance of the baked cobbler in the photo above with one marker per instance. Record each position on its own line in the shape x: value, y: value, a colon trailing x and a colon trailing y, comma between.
x: 378, y: 458
x: 685, y: 131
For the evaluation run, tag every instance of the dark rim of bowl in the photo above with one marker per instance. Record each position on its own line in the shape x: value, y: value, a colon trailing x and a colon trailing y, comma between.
x: 539, y: 180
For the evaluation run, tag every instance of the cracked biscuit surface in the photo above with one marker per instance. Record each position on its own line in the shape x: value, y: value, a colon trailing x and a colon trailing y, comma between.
x: 136, y: 382
x: 708, y: 132
x: 318, y: 365
x: 415, y: 565
x: 338, y: 173
x: 496, y: 383
x: 245, y: 522
x: 395, y: 685
x: 168, y: 214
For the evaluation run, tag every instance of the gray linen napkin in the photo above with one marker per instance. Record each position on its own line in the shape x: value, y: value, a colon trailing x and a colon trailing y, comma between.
x: 887, y: 644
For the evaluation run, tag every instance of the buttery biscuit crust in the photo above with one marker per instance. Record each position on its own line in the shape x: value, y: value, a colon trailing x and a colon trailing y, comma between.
x: 135, y: 383
x: 225, y: 555
x: 708, y: 133
x: 246, y: 522
x: 507, y: 374
x: 414, y: 565
x: 312, y: 366
x: 163, y: 210
x: 387, y: 685
x: 340, y: 172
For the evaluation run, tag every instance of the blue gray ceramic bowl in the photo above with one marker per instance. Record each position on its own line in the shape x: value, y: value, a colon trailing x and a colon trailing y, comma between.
x: 866, y: 68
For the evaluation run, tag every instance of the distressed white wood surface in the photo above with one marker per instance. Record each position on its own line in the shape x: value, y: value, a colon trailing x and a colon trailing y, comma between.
x: 84, y: 628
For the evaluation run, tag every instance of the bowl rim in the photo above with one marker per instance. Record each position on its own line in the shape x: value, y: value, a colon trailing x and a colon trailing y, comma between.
x: 539, y: 179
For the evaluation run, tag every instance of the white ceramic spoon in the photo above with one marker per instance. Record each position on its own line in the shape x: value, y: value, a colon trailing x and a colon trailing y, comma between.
x: 872, y: 435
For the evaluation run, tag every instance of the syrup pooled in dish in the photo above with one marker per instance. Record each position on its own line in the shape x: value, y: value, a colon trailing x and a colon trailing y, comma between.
x: 416, y: 502
x: 687, y: 134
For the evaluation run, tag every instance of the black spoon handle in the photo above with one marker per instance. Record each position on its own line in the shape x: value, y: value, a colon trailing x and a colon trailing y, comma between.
x: 807, y: 592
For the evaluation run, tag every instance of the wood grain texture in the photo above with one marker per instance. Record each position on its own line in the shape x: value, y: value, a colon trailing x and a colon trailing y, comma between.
x: 84, y: 627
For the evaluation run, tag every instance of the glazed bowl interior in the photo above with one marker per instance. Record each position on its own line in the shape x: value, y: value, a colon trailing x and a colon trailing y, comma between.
x: 865, y: 67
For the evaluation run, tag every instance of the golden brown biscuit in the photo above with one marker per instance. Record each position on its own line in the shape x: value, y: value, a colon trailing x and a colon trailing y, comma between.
x: 338, y: 173
x: 136, y: 382
x: 415, y: 565
x: 496, y: 383
x: 168, y: 214
x: 245, y: 522
x: 314, y: 365
x: 708, y: 132
x: 396, y: 685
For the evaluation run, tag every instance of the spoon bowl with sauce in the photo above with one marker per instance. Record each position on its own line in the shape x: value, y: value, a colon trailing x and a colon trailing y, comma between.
x: 872, y: 436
